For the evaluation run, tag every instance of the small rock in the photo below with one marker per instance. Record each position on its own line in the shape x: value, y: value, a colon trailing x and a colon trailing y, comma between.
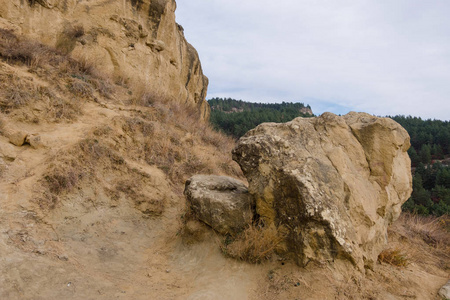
x: 63, y: 257
x: 156, y: 45
x: 17, y: 138
x: 8, y: 152
x: 35, y: 141
x: 219, y: 201
x: 444, y: 292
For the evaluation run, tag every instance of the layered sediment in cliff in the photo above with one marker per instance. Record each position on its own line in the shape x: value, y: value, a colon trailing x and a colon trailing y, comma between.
x: 137, y: 41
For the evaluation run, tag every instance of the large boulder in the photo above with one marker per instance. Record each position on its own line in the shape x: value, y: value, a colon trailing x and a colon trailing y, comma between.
x: 332, y: 184
x: 219, y: 201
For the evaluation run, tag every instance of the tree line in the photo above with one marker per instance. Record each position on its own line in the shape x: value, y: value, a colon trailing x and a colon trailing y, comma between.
x: 236, y: 117
x: 430, y: 159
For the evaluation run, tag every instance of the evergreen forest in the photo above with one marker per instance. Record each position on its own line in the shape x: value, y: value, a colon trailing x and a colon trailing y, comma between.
x: 236, y: 117
x: 429, y: 152
x: 430, y: 160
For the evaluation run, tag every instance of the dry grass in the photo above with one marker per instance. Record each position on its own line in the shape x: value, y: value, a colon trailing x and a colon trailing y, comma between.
x: 71, y: 167
x: 169, y: 135
x: 425, y: 240
x: 86, y: 164
x: 255, y: 244
x: 14, y: 49
x: 433, y: 231
x: 55, y: 65
x: 16, y: 92
x: 395, y: 257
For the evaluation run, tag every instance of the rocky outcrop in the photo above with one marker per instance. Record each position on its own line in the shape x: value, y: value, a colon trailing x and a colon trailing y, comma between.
x: 134, y: 41
x: 219, y: 201
x: 333, y: 184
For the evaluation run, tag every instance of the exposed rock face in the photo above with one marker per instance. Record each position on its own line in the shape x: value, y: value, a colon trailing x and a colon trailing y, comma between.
x: 221, y: 202
x: 333, y: 183
x: 138, y: 41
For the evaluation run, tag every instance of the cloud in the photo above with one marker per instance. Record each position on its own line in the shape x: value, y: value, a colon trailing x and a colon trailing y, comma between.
x: 382, y: 57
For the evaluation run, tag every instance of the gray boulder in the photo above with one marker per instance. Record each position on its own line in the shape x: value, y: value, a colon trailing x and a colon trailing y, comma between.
x: 220, y: 202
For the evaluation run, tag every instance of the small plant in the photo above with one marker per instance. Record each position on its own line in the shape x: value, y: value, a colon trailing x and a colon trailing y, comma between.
x: 63, y: 178
x: 255, y: 244
x: 394, y: 257
x: 16, y: 92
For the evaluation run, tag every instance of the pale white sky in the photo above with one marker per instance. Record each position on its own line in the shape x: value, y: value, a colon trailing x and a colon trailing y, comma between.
x: 383, y: 57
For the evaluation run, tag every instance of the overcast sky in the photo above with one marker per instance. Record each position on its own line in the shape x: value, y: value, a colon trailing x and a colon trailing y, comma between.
x: 383, y: 57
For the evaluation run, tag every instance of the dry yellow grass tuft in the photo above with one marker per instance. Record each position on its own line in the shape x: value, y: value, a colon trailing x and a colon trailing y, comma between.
x: 428, y: 239
x: 255, y: 244
x: 395, y: 257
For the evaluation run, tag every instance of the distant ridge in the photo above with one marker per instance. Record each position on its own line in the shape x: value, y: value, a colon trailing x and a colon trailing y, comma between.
x: 236, y: 117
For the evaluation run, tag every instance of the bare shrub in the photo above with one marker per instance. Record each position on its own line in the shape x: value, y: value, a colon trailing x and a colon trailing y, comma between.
x: 16, y: 92
x: 63, y: 177
x: 80, y: 88
x: 63, y: 109
x: 255, y: 244
x: 136, y: 124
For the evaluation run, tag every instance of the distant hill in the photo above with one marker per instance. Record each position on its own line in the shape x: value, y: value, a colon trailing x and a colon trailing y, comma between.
x: 236, y: 117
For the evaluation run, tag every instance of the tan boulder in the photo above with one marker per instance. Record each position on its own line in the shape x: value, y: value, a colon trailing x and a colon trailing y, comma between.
x: 219, y: 201
x: 35, y: 141
x: 333, y: 184
x: 17, y: 138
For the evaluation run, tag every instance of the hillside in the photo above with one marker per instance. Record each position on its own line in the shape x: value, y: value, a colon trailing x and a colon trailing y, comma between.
x: 236, y: 117
x: 93, y: 167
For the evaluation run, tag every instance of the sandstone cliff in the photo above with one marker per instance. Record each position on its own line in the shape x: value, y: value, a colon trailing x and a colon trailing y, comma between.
x: 138, y: 42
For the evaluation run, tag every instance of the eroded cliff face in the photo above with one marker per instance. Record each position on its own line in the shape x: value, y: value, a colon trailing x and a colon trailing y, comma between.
x: 136, y: 41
